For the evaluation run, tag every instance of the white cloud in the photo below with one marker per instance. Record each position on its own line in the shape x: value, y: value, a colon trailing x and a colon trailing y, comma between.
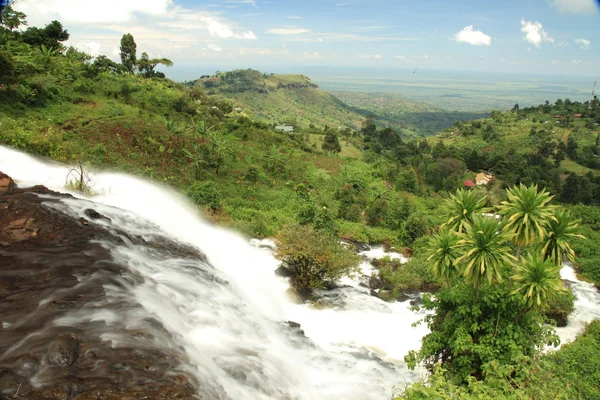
x: 375, y: 56
x: 577, y: 62
x: 288, y: 31
x: 92, y: 48
x: 313, y: 55
x: 473, y: 37
x: 91, y: 11
x: 214, y: 47
x: 219, y: 29
x: 293, y: 17
x: 583, y: 43
x: 575, y: 6
x: 535, y: 33
x: 555, y: 62
x: 400, y: 58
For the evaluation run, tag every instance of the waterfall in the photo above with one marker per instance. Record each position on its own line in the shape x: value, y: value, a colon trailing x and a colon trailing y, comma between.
x: 232, y: 321
x: 229, y: 314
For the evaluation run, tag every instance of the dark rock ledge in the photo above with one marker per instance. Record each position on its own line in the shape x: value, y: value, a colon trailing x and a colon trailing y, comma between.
x: 50, y: 270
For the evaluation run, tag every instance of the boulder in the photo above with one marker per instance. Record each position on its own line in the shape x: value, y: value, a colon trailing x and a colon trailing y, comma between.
x: 63, y: 351
x: 7, y: 185
x: 283, y: 272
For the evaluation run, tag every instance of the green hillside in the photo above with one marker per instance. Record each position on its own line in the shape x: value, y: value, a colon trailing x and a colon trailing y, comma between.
x: 280, y: 99
x: 411, y: 117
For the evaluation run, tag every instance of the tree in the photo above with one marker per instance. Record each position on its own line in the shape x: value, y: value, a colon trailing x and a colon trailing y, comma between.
x: 128, y: 52
x: 331, y: 143
x: 527, y: 213
x: 51, y: 36
x: 11, y: 19
x: 484, y: 252
x: 443, y: 254
x: 146, y: 65
x: 462, y: 208
x: 105, y: 64
x: 537, y: 280
x: 313, y: 257
x: 560, y: 230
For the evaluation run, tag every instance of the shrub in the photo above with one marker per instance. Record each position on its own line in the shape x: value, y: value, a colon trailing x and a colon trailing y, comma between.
x: 314, y: 258
x: 205, y: 194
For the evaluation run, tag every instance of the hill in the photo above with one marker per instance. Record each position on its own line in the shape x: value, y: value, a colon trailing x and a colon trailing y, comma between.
x: 411, y: 117
x: 280, y: 99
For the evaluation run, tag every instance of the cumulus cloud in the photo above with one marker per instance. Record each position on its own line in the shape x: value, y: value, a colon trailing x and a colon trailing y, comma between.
x: 535, y: 33
x: 288, y: 31
x: 577, y: 62
x: 219, y: 29
x: 583, y: 43
x: 575, y: 6
x: 471, y: 36
x: 92, y: 48
x: 214, y: 47
x: 375, y: 56
x: 400, y: 58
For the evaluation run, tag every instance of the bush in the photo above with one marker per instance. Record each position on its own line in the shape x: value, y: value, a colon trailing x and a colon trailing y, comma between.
x: 205, y: 194
x: 314, y: 258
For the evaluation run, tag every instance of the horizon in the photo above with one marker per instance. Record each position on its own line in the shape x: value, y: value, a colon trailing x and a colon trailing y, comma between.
x: 547, y: 37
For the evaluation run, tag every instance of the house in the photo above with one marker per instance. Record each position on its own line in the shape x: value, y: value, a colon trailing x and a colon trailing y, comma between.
x: 285, y: 128
x: 237, y: 109
x: 577, y: 115
x: 469, y: 184
x: 484, y: 178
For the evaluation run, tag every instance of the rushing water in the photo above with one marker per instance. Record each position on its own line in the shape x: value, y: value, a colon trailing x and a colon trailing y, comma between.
x: 230, y: 316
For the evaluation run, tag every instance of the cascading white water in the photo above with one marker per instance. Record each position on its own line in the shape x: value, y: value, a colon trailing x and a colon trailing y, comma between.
x: 230, y: 321
x: 232, y: 324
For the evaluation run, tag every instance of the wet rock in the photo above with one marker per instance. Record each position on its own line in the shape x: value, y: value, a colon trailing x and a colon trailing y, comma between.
x: 284, y: 272
x: 376, y: 282
x: 63, y: 351
x: 52, y: 268
x: 94, y: 215
x: 7, y: 185
x: 293, y: 324
x: 416, y: 301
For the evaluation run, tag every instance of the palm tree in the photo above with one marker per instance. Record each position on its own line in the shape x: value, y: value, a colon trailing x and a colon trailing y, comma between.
x: 560, y: 230
x: 442, y: 251
x: 462, y: 208
x: 48, y: 57
x: 274, y: 159
x: 537, y: 279
x: 527, y: 213
x: 484, y: 252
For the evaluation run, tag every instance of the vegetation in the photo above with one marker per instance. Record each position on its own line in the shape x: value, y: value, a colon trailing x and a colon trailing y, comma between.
x: 313, y: 258
x: 492, y: 320
x: 364, y: 184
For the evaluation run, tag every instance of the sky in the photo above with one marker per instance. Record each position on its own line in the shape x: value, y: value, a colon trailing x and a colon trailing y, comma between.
x: 551, y: 37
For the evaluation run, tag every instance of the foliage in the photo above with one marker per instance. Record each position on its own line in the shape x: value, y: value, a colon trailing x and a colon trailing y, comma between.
x: 205, y: 194
x: 527, y: 212
x: 484, y: 253
x: 560, y: 231
x: 443, y: 254
x: 468, y: 337
x: 314, y: 258
x: 462, y: 208
x: 128, y: 52
x: 537, y: 280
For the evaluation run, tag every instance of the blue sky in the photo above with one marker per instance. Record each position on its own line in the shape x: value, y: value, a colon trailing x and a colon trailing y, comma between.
x: 560, y: 37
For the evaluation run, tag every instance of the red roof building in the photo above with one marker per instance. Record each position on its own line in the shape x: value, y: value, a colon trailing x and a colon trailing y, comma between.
x: 469, y: 183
